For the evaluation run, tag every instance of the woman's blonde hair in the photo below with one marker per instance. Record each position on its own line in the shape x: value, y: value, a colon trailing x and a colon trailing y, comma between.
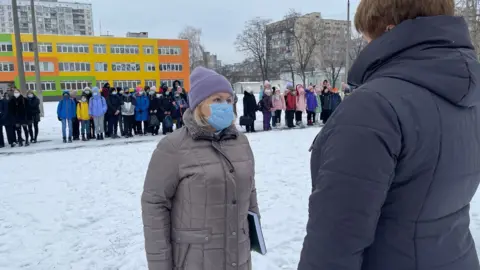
x: 200, y: 118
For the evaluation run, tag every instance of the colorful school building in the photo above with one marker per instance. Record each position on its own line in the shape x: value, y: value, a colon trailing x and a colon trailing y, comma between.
x: 75, y: 62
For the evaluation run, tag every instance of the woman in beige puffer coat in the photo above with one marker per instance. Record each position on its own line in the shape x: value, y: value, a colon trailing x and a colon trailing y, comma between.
x: 200, y: 186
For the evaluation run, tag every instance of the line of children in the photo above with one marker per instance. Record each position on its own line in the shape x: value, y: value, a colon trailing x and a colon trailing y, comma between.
x: 295, y: 102
x: 138, y: 111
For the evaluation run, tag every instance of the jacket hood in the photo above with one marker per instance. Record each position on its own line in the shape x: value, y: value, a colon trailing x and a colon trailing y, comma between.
x: 435, y: 53
x: 66, y: 92
x: 247, y: 93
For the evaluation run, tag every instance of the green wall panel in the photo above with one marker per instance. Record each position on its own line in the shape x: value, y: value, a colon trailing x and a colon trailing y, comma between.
x: 6, y: 38
x: 57, y: 80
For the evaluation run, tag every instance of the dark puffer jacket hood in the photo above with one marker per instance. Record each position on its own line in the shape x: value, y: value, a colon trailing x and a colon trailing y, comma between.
x: 440, y: 40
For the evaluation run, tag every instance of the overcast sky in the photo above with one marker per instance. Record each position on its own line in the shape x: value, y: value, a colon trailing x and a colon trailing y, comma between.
x: 221, y: 21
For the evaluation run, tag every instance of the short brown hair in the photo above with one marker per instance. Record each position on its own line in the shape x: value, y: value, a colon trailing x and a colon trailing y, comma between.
x: 373, y: 16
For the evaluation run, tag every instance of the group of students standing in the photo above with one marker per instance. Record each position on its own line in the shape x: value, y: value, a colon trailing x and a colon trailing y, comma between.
x: 17, y: 114
x: 102, y: 112
x: 317, y: 102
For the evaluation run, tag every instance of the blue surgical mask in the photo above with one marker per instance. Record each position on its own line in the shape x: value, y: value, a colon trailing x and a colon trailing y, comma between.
x: 221, y: 116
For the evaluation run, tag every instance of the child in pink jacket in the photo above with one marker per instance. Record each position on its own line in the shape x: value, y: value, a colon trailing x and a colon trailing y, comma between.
x: 301, y: 104
x: 278, y: 101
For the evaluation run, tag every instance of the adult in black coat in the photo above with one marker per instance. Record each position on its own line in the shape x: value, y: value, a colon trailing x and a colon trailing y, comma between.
x: 17, y: 108
x: 114, y: 107
x: 3, y: 117
x: 6, y: 120
x: 166, y: 107
x: 396, y: 166
x: 33, y: 115
x: 250, y: 108
x: 154, y: 109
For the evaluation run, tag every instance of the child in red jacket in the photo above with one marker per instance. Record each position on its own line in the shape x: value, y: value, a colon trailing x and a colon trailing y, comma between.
x: 290, y: 104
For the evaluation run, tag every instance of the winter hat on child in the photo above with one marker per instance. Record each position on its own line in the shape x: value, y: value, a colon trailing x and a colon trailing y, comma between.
x: 66, y: 92
x: 153, y: 88
x: 289, y: 86
x: 267, y: 83
x: 95, y: 90
x: 204, y: 83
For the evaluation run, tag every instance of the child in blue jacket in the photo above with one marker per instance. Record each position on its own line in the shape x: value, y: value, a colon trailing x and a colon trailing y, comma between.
x: 66, y: 111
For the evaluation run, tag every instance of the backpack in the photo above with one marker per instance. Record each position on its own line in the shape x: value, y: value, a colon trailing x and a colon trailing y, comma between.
x: 261, y: 105
x: 168, y: 122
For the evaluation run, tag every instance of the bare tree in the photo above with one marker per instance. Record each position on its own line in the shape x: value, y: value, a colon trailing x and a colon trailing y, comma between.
x: 307, y: 35
x: 252, y: 42
x: 196, y: 50
x: 357, y: 45
x: 333, y: 55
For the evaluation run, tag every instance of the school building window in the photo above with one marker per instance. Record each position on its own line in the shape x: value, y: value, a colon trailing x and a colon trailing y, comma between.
x: 124, y: 49
x: 101, y: 67
x: 170, y: 82
x: 169, y: 50
x: 100, y: 48
x: 74, y: 85
x: 147, y: 49
x: 42, y: 47
x: 120, y: 67
x: 74, y: 66
x: 72, y: 48
x: 6, y: 47
x: 46, y: 86
x: 129, y: 84
x: 44, y: 66
x: 100, y: 84
x: 6, y: 67
x: 172, y: 67
x: 149, y: 67
x: 150, y: 83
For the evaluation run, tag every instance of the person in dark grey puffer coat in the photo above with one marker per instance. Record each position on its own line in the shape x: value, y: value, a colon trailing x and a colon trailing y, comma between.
x: 396, y: 166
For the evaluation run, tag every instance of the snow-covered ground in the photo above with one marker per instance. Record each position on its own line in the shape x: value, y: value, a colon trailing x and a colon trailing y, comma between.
x: 77, y: 206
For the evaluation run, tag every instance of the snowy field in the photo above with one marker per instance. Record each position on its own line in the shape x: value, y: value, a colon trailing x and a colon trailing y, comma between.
x: 77, y: 206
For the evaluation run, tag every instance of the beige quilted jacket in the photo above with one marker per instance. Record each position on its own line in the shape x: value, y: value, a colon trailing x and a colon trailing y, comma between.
x: 198, y: 190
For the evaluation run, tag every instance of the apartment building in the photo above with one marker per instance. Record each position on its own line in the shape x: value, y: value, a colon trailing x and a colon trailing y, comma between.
x: 281, y: 44
x: 75, y: 62
x: 53, y: 17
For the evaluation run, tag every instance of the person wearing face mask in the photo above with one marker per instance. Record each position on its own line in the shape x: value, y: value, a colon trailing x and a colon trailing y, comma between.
x: 75, y: 122
x: 141, y: 112
x: 33, y: 115
x: 290, y: 105
x: 128, y: 112
x: 84, y: 117
x: 200, y: 185
x: 265, y: 106
x: 114, y: 107
x: 66, y: 111
x: 154, y: 108
x: 180, y: 105
x: 97, y: 107
x: 311, y: 105
x: 278, y: 102
x: 88, y: 93
x: 166, y: 108
x: 18, y: 110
